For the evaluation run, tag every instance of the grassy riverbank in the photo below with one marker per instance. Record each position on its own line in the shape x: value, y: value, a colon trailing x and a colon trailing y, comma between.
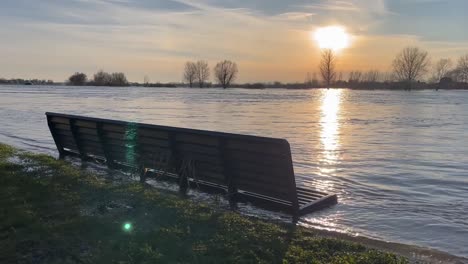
x: 52, y: 212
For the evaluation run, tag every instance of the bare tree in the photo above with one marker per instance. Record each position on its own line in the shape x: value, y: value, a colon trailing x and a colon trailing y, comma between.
x: 102, y: 78
x: 462, y: 69
x: 355, y: 77
x: 340, y: 77
x: 311, y: 80
x: 455, y: 75
x: 328, y: 67
x: 190, y: 73
x: 371, y: 76
x: 388, y: 77
x: 202, y: 72
x: 308, y: 80
x: 226, y: 72
x: 441, y: 69
x: 77, y: 79
x: 410, y: 64
x: 315, y: 81
x: 118, y: 79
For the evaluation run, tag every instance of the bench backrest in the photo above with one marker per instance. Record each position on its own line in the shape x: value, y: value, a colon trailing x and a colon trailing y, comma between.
x: 242, y: 163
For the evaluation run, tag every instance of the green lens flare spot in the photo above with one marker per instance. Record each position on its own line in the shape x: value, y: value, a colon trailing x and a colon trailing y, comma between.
x: 127, y: 227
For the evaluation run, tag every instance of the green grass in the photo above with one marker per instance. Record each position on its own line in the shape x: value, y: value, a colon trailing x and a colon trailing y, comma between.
x: 53, y: 212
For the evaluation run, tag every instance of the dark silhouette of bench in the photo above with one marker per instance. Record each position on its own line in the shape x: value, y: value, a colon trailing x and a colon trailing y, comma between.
x: 245, y: 168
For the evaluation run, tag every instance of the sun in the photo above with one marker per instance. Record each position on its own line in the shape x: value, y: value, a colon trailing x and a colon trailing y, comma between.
x: 332, y: 37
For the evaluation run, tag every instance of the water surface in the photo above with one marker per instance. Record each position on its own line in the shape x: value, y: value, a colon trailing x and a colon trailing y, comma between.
x: 398, y: 160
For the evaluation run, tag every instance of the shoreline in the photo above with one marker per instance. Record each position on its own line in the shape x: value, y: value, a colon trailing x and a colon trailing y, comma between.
x: 428, y: 88
x: 414, y: 254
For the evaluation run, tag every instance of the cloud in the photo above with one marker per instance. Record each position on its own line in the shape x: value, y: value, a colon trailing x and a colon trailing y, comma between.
x: 107, y: 34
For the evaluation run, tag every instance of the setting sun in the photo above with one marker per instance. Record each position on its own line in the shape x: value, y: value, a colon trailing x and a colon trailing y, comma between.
x: 332, y: 37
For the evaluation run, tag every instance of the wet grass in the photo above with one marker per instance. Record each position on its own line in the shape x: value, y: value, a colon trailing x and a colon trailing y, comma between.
x: 53, y: 212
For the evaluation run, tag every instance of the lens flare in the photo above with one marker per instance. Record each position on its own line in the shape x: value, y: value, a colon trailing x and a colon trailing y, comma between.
x: 127, y: 227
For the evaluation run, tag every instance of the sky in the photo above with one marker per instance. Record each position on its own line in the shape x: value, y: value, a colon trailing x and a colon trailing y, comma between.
x: 270, y: 40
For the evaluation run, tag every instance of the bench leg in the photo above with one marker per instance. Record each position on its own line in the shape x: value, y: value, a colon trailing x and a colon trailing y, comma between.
x: 233, y: 201
x: 232, y: 196
x: 295, y: 219
x: 143, y: 175
x: 183, y: 184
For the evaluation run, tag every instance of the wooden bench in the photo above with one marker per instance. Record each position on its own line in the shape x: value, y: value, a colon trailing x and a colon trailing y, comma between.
x: 245, y: 168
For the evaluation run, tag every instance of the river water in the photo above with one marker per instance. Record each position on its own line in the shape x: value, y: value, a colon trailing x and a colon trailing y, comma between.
x: 397, y: 160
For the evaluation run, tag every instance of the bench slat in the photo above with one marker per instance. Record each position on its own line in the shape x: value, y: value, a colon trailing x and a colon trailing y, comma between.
x: 271, y: 149
x: 152, y: 142
x: 67, y: 133
x: 64, y: 127
x: 240, y: 156
x: 144, y: 132
x: 60, y: 120
x: 270, y: 190
x: 88, y: 137
x: 85, y: 124
x: 197, y: 139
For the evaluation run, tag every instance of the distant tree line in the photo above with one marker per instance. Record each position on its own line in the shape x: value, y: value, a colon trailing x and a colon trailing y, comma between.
x: 101, y: 78
x: 26, y: 81
x: 409, y: 68
x: 156, y: 85
x: 198, y: 73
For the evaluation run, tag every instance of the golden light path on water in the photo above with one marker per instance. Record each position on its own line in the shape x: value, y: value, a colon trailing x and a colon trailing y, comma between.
x: 331, y: 103
x: 330, y: 144
x: 329, y: 136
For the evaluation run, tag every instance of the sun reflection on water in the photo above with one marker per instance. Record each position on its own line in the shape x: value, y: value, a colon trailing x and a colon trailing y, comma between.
x: 330, y: 127
x: 329, y: 146
x: 329, y: 143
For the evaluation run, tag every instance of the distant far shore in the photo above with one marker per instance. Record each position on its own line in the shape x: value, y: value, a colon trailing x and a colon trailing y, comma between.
x: 119, y: 80
x: 396, y: 86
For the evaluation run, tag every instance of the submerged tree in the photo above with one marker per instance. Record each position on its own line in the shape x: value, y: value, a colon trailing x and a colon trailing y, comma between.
x: 146, y: 81
x: 190, y: 73
x: 226, y: 72
x: 441, y: 69
x: 77, y: 79
x: 328, y: 67
x: 371, y: 76
x: 462, y: 69
x: 411, y: 64
x: 355, y: 77
x: 118, y: 79
x: 311, y: 80
x: 102, y: 78
x: 202, y: 73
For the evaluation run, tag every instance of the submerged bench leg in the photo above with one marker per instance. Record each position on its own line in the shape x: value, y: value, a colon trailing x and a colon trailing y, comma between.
x: 233, y: 201
x: 232, y: 196
x: 295, y: 218
x: 183, y: 178
x: 183, y: 184
x: 143, y: 172
x: 186, y: 170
